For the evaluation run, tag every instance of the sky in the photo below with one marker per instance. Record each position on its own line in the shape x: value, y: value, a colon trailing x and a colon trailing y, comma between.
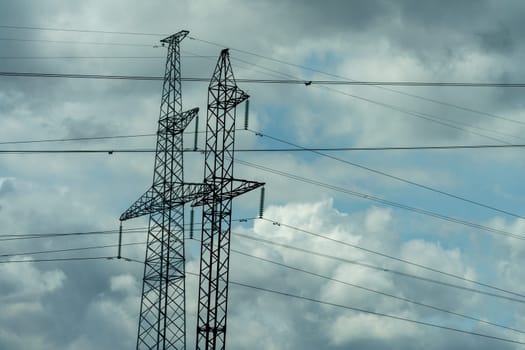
x: 375, y: 249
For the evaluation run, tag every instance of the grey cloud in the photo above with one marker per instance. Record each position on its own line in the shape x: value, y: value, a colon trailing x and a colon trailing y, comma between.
x: 377, y: 39
x: 88, y: 127
x: 335, y: 17
x: 7, y: 187
x: 499, y: 40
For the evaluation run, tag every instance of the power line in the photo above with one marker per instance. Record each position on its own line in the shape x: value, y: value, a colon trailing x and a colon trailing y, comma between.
x: 80, y: 30
x: 282, y: 293
x: 452, y: 105
x: 59, y: 259
x: 305, y: 180
x: 285, y: 266
x: 395, y: 258
x: 302, y: 149
x: 428, y: 117
x: 423, y: 323
x: 94, y: 57
x: 410, y: 301
x: 77, y: 139
x: 424, y: 116
x: 70, y: 249
x: 141, y: 230
x: 7, y: 236
x: 379, y: 87
x: 397, y: 178
x: 14, y: 237
x: 467, y: 109
x: 87, y: 76
x: 354, y: 308
x: 85, y: 151
x: 89, y: 138
x: 319, y: 71
x: 386, y: 270
x: 380, y: 200
x: 291, y: 296
x: 301, y: 179
x: 298, y: 249
x: 258, y: 81
x: 288, y: 295
x: 419, y: 115
x: 250, y: 150
x: 99, y: 43
x: 283, y: 62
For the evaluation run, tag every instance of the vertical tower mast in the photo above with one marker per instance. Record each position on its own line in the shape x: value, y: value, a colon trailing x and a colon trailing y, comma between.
x: 223, y: 97
x: 162, y: 323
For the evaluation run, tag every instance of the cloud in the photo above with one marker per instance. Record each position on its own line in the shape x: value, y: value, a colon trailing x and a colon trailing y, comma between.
x: 95, y: 304
x: 33, y: 284
x: 348, y: 329
x: 24, y: 293
x: 343, y: 328
x: 6, y: 187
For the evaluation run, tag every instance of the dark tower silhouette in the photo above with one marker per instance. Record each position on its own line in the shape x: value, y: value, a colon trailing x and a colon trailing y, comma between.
x: 162, y: 323
x: 222, y: 187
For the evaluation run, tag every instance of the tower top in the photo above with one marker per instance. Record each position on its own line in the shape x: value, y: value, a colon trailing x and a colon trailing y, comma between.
x: 177, y: 37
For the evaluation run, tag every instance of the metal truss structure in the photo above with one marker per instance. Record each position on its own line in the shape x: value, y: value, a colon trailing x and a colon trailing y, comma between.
x: 220, y: 187
x: 162, y: 323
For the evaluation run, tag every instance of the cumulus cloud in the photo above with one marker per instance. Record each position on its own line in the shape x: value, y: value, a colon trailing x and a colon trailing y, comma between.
x: 372, y: 229
x: 97, y: 302
x: 25, y: 281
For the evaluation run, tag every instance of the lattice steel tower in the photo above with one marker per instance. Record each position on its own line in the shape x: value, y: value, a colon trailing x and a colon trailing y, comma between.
x: 162, y: 323
x: 221, y: 187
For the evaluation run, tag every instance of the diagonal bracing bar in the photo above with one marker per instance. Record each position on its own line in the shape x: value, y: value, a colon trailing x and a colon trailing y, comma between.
x: 223, y: 97
x: 152, y: 201
x: 162, y: 323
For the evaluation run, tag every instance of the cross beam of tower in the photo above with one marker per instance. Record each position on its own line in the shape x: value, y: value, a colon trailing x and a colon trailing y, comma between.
x: 221, y: 187
x: 162, y: 323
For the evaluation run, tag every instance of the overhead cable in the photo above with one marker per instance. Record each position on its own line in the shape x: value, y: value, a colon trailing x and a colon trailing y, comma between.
x: 423, y: 98
x: 294, y: 149
x: 259, y: 81
x: 381, y: 200
x: 388, y: 295
x: 293, y: 269
x: 58, y: 259
x: 395, y: 258
x: 388, y: 270
x: 375, y: 313
x: 394, y: 177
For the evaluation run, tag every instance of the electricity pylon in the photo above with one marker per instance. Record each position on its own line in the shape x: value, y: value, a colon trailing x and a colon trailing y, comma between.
x: 162, y: 323
x: 221, y: 187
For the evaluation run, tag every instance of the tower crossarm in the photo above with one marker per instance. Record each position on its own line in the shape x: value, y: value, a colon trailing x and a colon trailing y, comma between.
x: 142, y: 206
x: 230, y: 100
x: 194, y: 191
x: 175, y: 38
x: 239, y: 187
x: 152, y: 201
x: 176, y: 124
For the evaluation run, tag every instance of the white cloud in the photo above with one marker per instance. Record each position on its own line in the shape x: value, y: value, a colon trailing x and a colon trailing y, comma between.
x: 123, y: 283
x: 348, y: 329
x: 377, y: 232
x: 23, y: 281
x: 97, y: 302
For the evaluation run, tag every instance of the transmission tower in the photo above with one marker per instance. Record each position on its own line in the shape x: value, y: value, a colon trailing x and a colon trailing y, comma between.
x: 222, y: 187
x: 162, y: 323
